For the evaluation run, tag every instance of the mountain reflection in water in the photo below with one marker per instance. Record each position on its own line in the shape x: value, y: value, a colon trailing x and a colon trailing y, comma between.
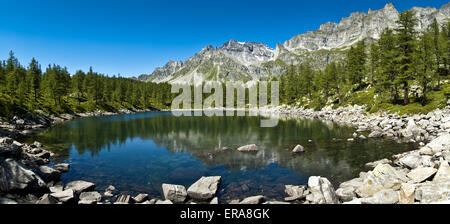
x: 138, y: 152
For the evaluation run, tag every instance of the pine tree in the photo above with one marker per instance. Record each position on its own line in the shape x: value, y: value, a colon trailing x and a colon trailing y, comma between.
x: 388, y: 69
x: 406, y: 36
x: 34, y: 75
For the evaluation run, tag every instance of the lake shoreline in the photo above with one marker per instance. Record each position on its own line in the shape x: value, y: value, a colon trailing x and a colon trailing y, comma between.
x: 32, y: 158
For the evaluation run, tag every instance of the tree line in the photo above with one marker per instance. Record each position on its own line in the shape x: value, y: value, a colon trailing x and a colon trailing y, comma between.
x: 55, y: 90
x: 400, y: 59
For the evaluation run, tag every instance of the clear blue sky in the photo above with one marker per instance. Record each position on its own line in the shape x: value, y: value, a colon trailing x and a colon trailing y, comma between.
x: 133, y: 37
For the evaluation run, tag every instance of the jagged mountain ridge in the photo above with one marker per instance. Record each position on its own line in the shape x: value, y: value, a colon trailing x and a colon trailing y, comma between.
x: 246, y: 61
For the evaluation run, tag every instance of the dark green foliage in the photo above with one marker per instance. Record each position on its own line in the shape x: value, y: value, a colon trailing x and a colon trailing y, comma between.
x: 27, y: 90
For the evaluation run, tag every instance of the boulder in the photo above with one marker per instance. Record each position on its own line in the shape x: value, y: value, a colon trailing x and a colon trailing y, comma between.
x: 49, y: 174
x: 91, y: 197
x: 214, y: 201
x: 47, y: 199
x: 433, y: 192
x: 385, y: 196
x: 346, y: 194
x: 443, y: 173
x: 322, y: 192
x: 406, y: 194
x: 7, y: 201
x: 411, y: 161
x: 166, y: 202
x: 140, y: 198
x: 64, y: 196
x: 205, y: 188
x: 62, y: 167
x: 382, y: 177
x: 439, y: 144
x: 79, y: 186
x: 295, y: 192
x: 375, y: 134
x: 124, y: 199
x: 298, y: 149
x: 248, y: 148
x: 14, y: 176
x: 420, y: 174
x: 372, y: 165
x: 174, y: 193
x: 253, y: 200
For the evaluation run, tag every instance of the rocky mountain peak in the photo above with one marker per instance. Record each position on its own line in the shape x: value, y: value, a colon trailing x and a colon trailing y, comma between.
x: 236, y: 60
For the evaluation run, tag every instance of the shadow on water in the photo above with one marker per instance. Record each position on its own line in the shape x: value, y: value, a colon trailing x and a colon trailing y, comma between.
x: 139, y: 152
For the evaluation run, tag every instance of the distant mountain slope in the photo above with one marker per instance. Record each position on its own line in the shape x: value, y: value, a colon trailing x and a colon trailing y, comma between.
x: 247, y: 61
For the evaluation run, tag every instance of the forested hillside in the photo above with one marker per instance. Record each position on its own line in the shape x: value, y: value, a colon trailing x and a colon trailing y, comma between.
x: 404, y: 71
x: 30, y: 88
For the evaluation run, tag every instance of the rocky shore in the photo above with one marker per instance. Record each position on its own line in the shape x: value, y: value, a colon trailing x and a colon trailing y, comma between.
x: 419, y: 176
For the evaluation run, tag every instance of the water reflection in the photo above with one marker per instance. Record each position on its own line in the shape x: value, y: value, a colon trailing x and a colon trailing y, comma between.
x: 139, y: 152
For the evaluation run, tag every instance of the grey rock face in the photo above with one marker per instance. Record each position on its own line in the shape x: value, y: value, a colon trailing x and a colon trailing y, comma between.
x: 174, y: 193
x: 14, y: 176
x: 205, y: 188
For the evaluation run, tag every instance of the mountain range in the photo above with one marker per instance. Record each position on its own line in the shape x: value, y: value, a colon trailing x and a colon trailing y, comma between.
x: 247, y: 61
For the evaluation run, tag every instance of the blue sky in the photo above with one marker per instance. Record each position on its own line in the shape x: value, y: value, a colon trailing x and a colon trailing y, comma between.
x: 134, y: 37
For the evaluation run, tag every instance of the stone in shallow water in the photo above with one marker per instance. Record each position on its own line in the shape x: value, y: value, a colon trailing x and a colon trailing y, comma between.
x: 91, y: 197
x: 62, y: 167
x: 253, y: 200
x: 205, y: 188
x: 64, y: 196
x: 298, y: 149
x: 49, y: 174
x: 140, y: 198
x: 248, y: 148
x: 174, y: 193
x: 79, y: 186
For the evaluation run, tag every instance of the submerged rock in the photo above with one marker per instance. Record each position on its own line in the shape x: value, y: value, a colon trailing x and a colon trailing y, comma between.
x: 205, y: 188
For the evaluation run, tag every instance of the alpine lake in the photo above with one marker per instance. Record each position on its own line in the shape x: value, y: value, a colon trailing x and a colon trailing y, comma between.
x: 137, y: 153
